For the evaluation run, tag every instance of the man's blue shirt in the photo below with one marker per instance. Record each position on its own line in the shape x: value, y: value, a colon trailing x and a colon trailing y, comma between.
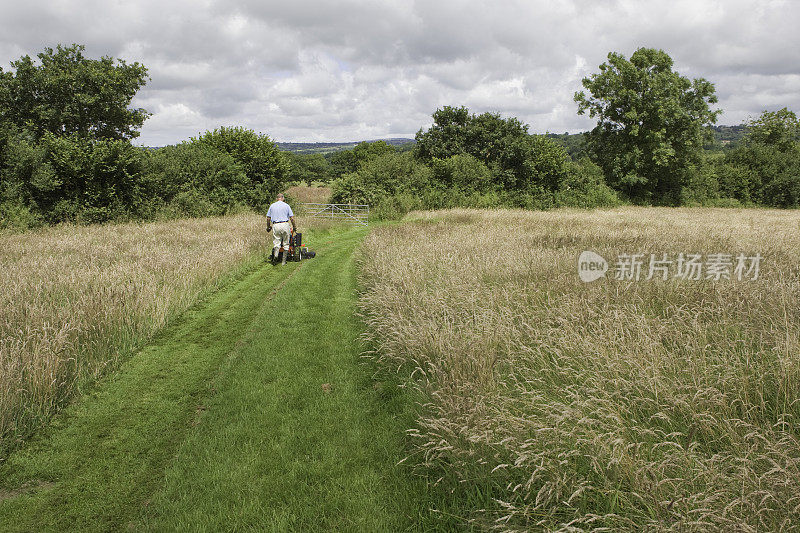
x: 280, y: 211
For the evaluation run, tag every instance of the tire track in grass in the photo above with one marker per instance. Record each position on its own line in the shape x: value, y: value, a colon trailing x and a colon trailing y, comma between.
x: 222, y: 423
x: 103, y: 457
x: 296, y: 438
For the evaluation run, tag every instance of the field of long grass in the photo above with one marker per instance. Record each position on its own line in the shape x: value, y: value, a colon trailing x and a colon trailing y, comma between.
x: 550, y: 403
x: 314, y: 195
x: 74, y: 300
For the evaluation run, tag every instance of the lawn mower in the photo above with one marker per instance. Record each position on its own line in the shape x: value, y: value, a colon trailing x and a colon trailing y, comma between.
x: 297, y: 250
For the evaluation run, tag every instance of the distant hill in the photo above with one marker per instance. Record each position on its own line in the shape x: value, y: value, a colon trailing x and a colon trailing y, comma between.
x: 322, y: 148
x: 729, y: 135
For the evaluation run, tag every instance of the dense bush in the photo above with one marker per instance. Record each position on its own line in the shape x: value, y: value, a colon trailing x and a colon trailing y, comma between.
x: 529, y: 164
x: 457, y: 131
x: 348, y: 161
x: 518, y: 161
x: 66, y: 155
x: 464, y: 173
x: 14, y: 215
x: 382, y: 177
x: 264, y: 165
x: 70, y: 177
x: 190, y: 179
x: 773, y: 171
x: 65, y: 130
x: 762, y: 170
x: 585, y: 187
x: 308, y: 168
x: 467, y: 160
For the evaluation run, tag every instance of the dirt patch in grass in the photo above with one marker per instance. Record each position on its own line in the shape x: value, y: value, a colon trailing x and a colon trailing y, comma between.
x: 25, y: 488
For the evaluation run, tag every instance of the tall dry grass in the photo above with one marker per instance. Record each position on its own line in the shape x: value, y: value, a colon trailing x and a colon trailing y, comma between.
x: 73, y: 300
x: 314, y: 195
x: 553, y: 404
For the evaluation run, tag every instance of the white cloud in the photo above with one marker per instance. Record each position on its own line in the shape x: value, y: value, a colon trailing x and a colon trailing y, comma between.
x: 317, y: 70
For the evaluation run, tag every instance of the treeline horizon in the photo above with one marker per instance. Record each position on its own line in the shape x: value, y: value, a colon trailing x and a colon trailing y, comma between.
x: 724, y: 137
x: 66, y: 152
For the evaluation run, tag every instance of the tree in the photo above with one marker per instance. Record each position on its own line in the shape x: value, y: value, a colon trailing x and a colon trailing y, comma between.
x: 650, y: 128
x: 456, y: 131
x: 263, y: 163
x: 347, y: 161
x: 308, y: 167
x: 519, y: 161
x: 463, y: 173
x: 82, y: 179
x: 69, y: 94
x: 65, y: 130
x: 380, y: 178
x: 190, y: 178
x: 769, y: 159
x: 780, y: 129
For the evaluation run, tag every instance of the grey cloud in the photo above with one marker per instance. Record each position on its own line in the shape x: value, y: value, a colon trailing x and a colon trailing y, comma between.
x: 317, y: 70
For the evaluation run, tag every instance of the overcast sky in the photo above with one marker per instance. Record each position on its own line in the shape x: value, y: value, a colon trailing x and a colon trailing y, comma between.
x: 358, y: 69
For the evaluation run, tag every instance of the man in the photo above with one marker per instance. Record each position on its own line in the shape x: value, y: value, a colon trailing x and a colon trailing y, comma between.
x: 279, y: 216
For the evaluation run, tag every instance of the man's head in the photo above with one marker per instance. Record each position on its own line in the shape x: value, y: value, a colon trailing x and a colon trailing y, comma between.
x: 279, y: 197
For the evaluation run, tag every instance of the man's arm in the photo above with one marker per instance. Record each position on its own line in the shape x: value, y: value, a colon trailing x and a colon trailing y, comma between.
x: 269, y: 224
x: 294, y: 226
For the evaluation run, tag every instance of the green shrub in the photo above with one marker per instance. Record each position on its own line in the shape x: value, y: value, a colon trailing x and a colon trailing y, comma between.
x: 722, y: 181
x: 518, y: 161
x: 531, y: 164
x: 394, y: 207
x: 71, y: 178
x: 191, y: 179
x: 395, y: 184
x: 382, y: 177
x: 584, y: 186
x: 264, y: 165
x: 16, y: 216
x: 701, y: 186
x: 737, y: 181
x: 26, y: 172
x: 536, y: 198
x: 348, y: 161
x: 769, y: 175
x: 308, y: 168
x: 784, y: 189
x: 194, y: 203
x: 462, y: 172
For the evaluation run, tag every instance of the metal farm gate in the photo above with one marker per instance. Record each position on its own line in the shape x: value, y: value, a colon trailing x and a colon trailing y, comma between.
x: 355, y: 213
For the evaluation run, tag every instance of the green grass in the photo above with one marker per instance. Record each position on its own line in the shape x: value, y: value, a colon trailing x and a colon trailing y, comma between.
x: 222, y: 423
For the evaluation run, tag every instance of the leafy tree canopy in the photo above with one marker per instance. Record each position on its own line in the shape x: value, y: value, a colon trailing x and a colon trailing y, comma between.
x: 650, y: 123
x: 780, y: 129
x: 381, y: 177
x: 519, y: 161
x: 347, y: 161
x: 69, y: 94
x: 191, y: 178
x: 308, y: 167
x: 766, y: 168
x: 462, y: 172
x: 456, y: 131
x: 264, y: 165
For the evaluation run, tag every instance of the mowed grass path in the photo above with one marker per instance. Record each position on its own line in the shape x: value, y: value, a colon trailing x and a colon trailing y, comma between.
x: 252, y: 412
